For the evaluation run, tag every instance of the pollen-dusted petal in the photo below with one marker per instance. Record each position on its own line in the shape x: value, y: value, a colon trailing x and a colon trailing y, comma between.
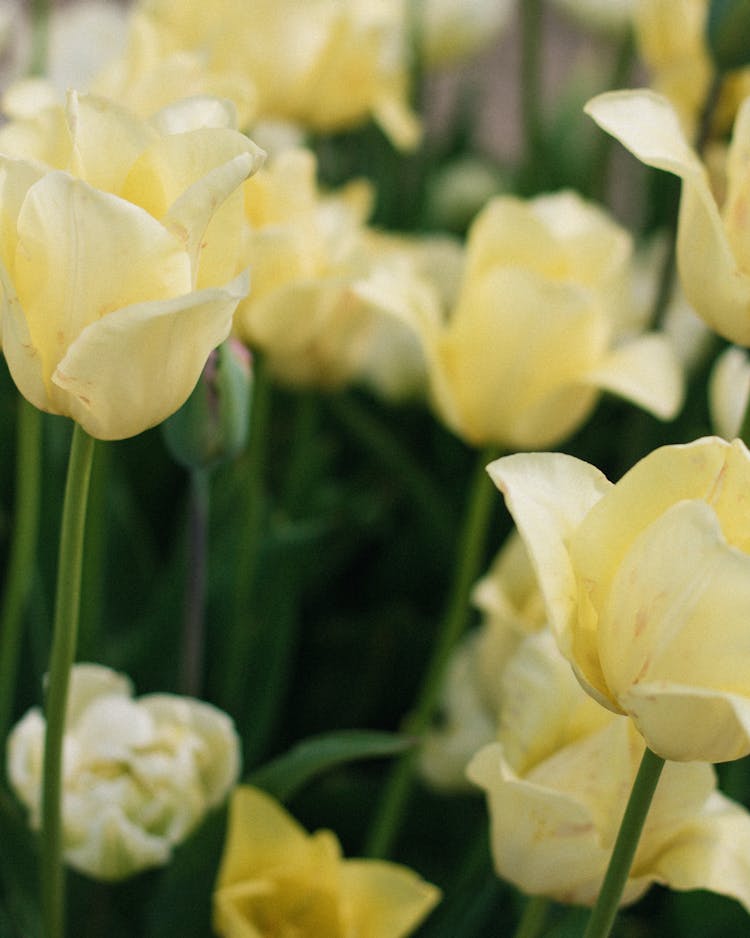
x: 136, y: 366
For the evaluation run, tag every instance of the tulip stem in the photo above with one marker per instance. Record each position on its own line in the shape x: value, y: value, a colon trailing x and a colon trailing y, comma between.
x: 644, y: 786
x: 194, y: 624
x: 531, y: 86
x: 67, y: 605
x: 469, y: 556
x: 534, y: 918
x: 40, y: 11
x: 21, y: 564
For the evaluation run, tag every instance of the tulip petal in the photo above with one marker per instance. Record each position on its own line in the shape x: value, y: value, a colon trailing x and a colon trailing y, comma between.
x: 688, y: 723
x: 645, y: 371
x: 653, y: 627
x: 105, y: 254
x: 545, y: 840
x: 712, y: 851
x: 126, y: 372
x: 387, y: 900
x: 548, y: 495
x: 648, y: 126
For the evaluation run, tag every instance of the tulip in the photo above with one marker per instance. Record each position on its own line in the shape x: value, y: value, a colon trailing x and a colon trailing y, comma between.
x: 276, y: 879
x: 646, y: 584
x: 138, y: 774
x: 542, y: 321
x: 729, y: 392
x: 140, y: 222
x: 557, y: 780
x: 452, y: 30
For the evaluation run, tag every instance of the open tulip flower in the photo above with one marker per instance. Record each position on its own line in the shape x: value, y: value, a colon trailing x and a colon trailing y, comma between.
x: 647, y: 586
x: 543, y: 320
x: 557, y: 780
x: 713, y: 252
x: 276, y: 879
x: 119, y: 255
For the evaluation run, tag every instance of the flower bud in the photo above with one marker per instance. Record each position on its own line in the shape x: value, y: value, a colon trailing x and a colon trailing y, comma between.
x: 728, y: 33
x: 211, y: 426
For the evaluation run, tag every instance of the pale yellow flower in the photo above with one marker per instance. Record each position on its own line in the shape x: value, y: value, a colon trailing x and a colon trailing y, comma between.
x: 541, y: 323
x: 276, y: 879
x: 557, y: 781
x: 452, y: 30
x: 713, y: 242
x: 671, y: 39
x: 309, y: 252
x: 511, y: 605
x: 138, y: 775
x: 647, y: 585
x: 323, y: 64
x: 141, y: 223
x: 729, y: 392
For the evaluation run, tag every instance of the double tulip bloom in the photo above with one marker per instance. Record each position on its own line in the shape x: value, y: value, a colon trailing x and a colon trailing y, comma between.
x: 119, y: 255
x: 647, y: 586
x: 138, y: 774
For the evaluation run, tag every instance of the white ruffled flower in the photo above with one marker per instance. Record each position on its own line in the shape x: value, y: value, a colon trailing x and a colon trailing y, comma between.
x: 138, y: 774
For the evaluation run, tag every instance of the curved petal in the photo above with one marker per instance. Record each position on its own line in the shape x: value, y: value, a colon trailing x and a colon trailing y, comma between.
x: 105, y: 254
x: 135, y: 367
x: 645, y: 371
x: 386, y: 900
x: 689, y: 723
x: 715, y: 286
x: 679, y: 579
x: 549, y: 495
x: 712, y: 851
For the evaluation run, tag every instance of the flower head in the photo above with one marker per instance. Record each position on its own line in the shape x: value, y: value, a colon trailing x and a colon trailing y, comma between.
x: 138, y: 775
x: 647, y: 586
x: 557, y: 780
x: 713, y: 241
x: 276, y: 879
x: 140, y: 221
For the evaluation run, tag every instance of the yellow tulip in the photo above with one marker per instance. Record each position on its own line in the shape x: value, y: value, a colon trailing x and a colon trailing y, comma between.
x: 713, y: 242
x: 119, y: 254
x: 138, y: 775
x: 729, y: 392
x: 542, y: 321
x: 679, y: 61
x: 452, y: 30
x: 511, y: 605
x: 557, y: 781
x: 276, y: 879
x: 647, y: 585
x: 323, y: 64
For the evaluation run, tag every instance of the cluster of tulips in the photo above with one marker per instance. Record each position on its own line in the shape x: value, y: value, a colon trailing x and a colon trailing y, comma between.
x: 237, y: 212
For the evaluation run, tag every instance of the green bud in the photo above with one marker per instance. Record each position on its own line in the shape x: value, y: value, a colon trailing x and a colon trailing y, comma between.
x: 211, y: 426
x: 728, y: 33
x: 460, y: 189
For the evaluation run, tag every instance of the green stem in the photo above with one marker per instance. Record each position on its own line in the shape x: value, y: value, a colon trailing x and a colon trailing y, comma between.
x: 470, y: 554
x: 644, y: 786
x: 67, y: 603
x: 604, y: 143
x: 249, y: 542
x: 194, y: 621
x: 531, y: 86
x: 40, y: 11
x: 387, y: 447
x: 534, y: 918
x: 21, y: 565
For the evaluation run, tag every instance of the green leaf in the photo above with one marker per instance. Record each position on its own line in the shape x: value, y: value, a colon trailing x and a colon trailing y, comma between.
x: 285, y: 776
x: 728, y: 33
